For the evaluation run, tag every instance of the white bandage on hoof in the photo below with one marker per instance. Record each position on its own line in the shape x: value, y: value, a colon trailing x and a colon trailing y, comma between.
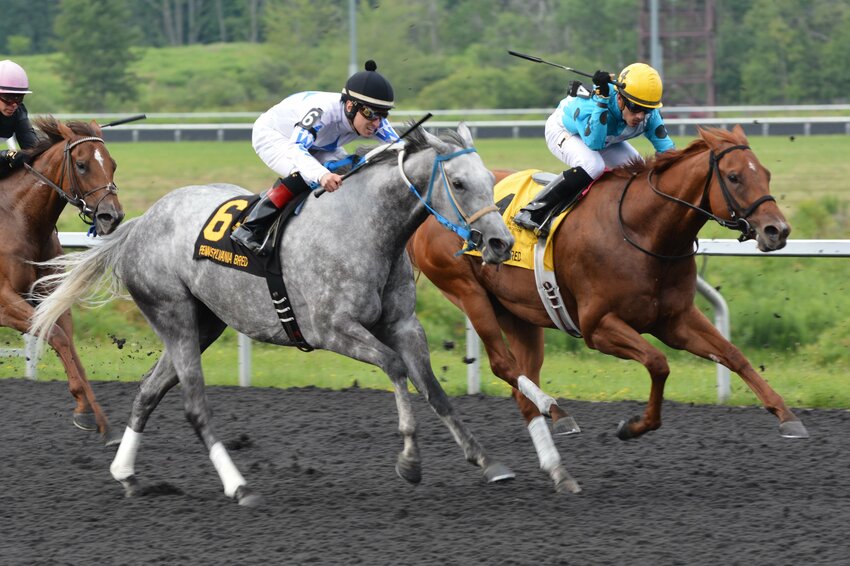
x: 535, y: 395
x: 123, y: 465
x: 231, y: 479
x: 541, y: 437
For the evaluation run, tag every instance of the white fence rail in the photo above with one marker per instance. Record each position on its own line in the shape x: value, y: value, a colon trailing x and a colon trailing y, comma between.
x: 501, y: 122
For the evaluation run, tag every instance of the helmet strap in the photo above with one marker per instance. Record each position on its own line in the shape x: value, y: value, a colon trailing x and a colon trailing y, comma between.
x: 350, y: 114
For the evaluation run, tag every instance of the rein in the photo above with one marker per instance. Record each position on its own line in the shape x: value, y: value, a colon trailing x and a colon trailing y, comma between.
x: 463, y: 228
x: 73, y: 196
x: 739, y: 215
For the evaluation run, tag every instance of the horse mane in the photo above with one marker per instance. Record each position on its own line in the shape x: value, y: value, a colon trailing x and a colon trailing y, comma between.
x: 663, y: 161
x: 50, y: 135
x: 415, y: 141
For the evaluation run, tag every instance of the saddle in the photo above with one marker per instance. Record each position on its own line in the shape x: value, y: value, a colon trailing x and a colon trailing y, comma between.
x: 214, y: 244
x: 530, y: 252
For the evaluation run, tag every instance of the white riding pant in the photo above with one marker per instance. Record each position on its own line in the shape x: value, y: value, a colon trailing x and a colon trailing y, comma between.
x: 570, y: 149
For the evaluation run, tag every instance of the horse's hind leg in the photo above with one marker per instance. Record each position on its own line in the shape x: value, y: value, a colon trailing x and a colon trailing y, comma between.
x: 153, y: 387
x: 694, y: 332
x: 180, y: 363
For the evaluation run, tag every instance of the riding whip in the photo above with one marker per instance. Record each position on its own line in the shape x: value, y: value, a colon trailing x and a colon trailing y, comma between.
x: 125, y: 120
x: 534, y: 59
x: 319, y: 192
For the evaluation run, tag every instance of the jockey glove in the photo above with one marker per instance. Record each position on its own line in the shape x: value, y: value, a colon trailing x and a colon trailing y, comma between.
x: 601, y: 80
x: 13, y: 159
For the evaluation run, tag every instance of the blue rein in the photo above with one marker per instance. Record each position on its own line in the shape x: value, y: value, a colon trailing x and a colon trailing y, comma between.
x: 471, y: 238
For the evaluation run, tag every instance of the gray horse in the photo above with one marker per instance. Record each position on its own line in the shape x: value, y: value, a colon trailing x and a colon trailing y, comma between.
x: 350, y: 283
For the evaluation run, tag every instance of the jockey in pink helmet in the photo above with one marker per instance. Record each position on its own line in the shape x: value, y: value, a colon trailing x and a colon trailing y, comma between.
x: 14, y: 120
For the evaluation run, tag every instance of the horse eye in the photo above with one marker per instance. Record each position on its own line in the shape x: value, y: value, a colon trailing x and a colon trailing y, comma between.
x: 733, y: 177
x: 457, y: 184
x: 81, y: 166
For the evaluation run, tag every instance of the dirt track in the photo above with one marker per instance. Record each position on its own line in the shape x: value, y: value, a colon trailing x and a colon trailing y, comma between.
x: 715, y: 485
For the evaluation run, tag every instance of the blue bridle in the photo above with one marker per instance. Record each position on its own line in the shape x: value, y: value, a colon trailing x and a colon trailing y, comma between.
x: 463, y: 228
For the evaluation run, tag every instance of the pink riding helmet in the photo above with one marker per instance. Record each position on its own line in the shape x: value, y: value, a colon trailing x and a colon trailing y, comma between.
x: 13, y: 78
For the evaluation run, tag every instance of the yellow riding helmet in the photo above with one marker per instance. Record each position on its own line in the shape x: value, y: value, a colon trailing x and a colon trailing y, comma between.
x: 642, y: 85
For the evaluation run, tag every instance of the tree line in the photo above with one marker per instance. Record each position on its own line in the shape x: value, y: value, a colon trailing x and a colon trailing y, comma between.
x: 441, y: 53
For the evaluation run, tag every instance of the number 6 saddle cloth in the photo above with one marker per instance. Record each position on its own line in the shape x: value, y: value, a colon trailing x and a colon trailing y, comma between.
x: 214, y: 241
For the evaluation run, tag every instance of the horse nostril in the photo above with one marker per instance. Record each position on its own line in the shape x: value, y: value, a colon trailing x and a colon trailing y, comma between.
x: 498, y: 245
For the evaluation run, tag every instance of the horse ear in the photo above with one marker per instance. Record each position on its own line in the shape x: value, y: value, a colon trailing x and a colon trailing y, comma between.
x: 63, y: 128
x: 436, y: 143
x: 739, y: 133
x: 465, y: 134
x: 96, y: 128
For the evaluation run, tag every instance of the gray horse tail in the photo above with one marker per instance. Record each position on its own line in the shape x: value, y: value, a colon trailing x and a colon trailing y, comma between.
x: 87, y: 277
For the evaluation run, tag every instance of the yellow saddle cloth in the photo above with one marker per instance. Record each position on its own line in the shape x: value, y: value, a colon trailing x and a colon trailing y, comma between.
x: 517, y: 190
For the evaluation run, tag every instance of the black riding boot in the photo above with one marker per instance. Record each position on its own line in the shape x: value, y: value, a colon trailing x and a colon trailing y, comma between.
x: 252, y: 232
x: 552, y: 200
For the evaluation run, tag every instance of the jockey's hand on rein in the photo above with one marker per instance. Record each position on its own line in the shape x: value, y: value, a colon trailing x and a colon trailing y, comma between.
x: 13, y: 159
x: 601, y: 80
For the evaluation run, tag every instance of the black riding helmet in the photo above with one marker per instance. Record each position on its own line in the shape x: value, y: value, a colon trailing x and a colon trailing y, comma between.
x: 369, y: 88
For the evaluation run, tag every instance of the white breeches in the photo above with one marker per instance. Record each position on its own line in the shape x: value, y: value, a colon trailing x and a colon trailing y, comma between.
x: 571, y: 150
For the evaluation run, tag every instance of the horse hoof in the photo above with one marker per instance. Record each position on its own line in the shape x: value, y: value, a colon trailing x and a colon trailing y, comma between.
x: 564, y: 426
x: 623, y: 430
x: 112, y: 437
x: 408, y: 470
x: 497, y: 472
x: 564, y: 482
x: 247, y: 498
x: 85, y: 421
x: 793, y: 429
x: 131, y: 485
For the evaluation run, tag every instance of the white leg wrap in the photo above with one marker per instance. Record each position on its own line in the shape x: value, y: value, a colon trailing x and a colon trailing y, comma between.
x: 123, y: 465
x: 534, y: 394
x: 543, y: 443
x: 230, y: 476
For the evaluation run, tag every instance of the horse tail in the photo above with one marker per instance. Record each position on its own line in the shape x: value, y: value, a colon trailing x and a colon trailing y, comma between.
x: 87, y: 276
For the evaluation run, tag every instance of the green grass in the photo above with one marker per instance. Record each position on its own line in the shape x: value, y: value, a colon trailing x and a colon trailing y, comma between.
x: 803, y: 169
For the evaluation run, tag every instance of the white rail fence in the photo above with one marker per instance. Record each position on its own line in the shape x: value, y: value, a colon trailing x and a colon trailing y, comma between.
x: 715, y: 247
x: 501, y: 122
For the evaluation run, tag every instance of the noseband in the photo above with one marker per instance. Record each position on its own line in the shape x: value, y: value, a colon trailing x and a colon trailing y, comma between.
x: 463, y: 228
x: 737, y: 213
x: 73, y: 195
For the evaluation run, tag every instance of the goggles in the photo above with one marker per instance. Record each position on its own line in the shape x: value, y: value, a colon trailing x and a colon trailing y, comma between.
x: 11, y: 98
x: 636, y: 108
x: 371, y: 114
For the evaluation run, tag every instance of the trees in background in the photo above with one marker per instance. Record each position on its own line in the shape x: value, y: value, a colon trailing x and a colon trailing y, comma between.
x: 94, y: 38
x: 453, y: 53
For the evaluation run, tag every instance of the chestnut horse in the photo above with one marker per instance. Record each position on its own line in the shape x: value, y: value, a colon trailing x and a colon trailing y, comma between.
x: 70, y: 164
x: 623, y: 260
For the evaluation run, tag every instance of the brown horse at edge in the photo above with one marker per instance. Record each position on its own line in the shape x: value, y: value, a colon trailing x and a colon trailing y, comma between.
x: 624, y: 263
x: 70, y: 165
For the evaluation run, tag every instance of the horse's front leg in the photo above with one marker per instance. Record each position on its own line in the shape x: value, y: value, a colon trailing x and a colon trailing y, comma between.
x: 693, y: 332
x: 88, y: 414
x: 408, y: 338
x: 523, y: 373
x: 613, y: 336
x: 351, y: 339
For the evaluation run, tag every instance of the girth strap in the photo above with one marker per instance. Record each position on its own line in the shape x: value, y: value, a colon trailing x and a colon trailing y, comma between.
x: 275, y: 283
